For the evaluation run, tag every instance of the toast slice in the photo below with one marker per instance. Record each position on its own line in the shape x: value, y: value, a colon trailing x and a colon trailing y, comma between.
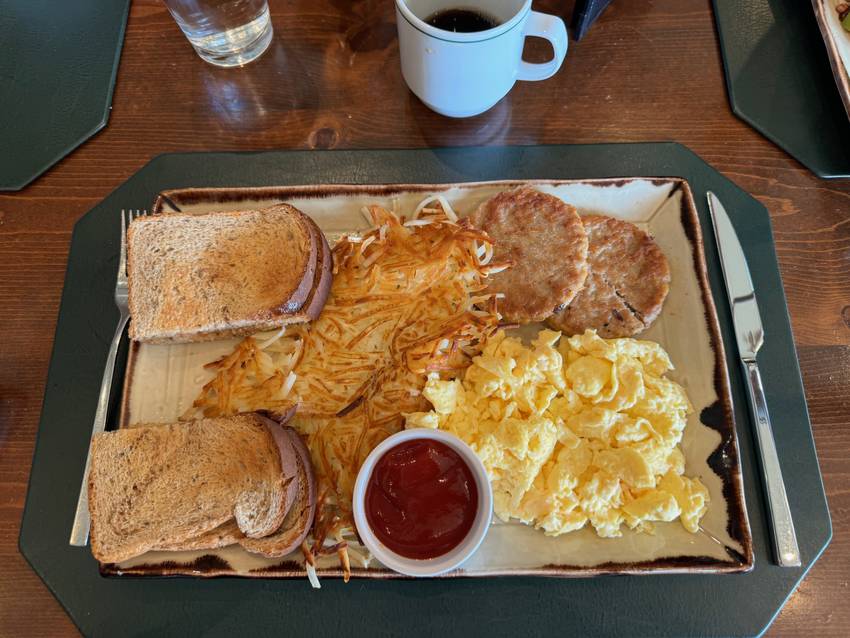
x: 225, y: 534
x: 299, y: 520
x: 288, y: 537
x: 324, y: 277
x: 158, y: 486
x: 201, y: 277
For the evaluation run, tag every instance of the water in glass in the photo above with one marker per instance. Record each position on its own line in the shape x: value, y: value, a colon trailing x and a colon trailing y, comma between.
x: 224, y: 32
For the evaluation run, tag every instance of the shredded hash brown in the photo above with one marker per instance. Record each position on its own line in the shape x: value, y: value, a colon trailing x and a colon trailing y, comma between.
x: 407, y: 300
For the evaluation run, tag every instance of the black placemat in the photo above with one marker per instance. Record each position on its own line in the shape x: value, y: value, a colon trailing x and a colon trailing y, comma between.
x: 661, y: 605
x: 780, y: 82
x: 57, y: 69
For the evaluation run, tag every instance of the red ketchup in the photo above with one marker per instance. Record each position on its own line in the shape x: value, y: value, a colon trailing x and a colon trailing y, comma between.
x: 421, y: 499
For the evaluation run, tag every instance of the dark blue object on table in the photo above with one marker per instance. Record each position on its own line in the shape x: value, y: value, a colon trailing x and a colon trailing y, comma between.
x: 57, y: 70
x: 657, y: 605
x: 585, y: 14
x: 780, y: 81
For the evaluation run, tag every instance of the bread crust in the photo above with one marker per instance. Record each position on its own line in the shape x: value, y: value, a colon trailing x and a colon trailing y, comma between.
x: 299, y: 521
x: 324, y: 277
x: 288, y: 463
x: 228, y: 533
x: 544, y: 238
x: 307, y: 275
x: 628, y: 282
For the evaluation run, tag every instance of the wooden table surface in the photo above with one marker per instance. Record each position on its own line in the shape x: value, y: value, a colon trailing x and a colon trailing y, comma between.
x: 647, y: 71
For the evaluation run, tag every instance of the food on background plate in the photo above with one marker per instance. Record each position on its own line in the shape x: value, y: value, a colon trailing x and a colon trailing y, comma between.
x: 573, y: 431
x: 544, y: 239
x: 214, y: 275
x: 627, y: 282
x: 198, y: 485
x: 408, y: 299
x: 843, y: 11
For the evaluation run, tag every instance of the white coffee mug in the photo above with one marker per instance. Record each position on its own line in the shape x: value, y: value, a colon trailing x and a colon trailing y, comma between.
x: 464, y: 74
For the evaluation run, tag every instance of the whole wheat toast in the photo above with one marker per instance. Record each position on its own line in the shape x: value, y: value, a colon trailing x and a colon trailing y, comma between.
x: 288, y: 536
x: 156, y: 486
x: 299, y: 519
x: 199, y: 277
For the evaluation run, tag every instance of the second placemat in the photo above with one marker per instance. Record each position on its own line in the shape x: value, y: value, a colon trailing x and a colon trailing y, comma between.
x: 780, y: 82
x: 58, y: 67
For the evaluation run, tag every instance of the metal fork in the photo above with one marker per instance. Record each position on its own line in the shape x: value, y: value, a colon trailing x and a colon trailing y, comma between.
x: 82, y: 519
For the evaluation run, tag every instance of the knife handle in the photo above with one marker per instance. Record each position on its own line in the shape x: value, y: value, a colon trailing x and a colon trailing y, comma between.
x: 784, y: 538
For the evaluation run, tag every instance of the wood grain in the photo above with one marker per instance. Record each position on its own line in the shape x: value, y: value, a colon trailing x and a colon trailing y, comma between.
x: 648, y: 70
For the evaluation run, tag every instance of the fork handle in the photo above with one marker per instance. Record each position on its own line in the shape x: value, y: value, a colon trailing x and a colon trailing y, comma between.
x: 82, y: 518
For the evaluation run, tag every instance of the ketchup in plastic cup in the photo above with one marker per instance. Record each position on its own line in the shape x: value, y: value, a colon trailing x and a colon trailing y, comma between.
x: 422, y: 502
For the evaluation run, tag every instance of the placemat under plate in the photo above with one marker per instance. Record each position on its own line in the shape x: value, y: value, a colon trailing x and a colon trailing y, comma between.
x: 780, y: 82
x: 58, y: 67
x: 651, y: 605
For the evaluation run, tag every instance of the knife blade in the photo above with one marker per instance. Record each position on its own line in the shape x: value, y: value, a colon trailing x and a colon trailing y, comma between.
x: 749, y: 335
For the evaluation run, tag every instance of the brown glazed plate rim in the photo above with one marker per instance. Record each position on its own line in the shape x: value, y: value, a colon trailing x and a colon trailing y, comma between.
x: 724, y: 460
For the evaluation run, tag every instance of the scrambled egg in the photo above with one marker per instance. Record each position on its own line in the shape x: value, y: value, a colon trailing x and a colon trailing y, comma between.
x: 576, y: 432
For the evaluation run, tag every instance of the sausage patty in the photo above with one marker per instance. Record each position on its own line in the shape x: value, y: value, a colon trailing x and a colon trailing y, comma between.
x: 626, y: 285
x: 544, y: 238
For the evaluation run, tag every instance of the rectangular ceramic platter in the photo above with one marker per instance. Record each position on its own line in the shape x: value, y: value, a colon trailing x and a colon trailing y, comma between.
x: 837, y: 42
x: 162, y: 381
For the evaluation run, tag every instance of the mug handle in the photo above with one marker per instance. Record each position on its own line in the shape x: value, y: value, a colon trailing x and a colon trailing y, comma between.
x: 543, y: 25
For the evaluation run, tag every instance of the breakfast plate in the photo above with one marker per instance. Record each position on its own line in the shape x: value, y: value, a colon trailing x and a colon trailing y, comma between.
x: 162, y: 380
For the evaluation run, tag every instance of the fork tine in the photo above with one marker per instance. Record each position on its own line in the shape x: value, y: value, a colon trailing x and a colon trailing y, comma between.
x: 126, y: 218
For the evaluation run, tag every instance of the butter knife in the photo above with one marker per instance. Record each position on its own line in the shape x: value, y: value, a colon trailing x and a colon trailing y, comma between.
x: 749, y: 334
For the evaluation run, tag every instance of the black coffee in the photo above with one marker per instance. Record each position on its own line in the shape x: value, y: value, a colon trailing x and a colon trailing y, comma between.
x: 462, y: 20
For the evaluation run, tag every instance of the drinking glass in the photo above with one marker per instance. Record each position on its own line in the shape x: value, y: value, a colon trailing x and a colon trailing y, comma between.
x: 224, y: 32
